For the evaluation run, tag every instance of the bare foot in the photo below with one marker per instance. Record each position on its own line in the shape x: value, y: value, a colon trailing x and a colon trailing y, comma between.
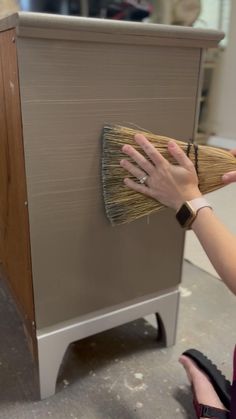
x: 204, y: 391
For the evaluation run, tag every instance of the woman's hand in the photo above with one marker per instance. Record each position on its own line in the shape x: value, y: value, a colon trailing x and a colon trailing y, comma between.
x: 170, y: 184
x: 230, y: 176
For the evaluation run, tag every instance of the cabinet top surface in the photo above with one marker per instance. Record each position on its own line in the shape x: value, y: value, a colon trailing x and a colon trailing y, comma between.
x: 38, y: 25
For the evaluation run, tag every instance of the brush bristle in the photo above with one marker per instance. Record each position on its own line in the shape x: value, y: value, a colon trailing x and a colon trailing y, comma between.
x: 125, y: 205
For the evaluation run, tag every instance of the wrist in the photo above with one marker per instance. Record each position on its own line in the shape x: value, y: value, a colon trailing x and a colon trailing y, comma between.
x: 188, y: 212
x: 200, y: 216
x: 186, y: 198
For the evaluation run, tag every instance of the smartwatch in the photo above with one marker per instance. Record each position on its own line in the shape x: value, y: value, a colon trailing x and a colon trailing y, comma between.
x: 189, y: 210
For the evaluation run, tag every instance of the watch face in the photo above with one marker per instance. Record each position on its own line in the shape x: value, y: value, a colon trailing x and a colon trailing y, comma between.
x: 185, y: 215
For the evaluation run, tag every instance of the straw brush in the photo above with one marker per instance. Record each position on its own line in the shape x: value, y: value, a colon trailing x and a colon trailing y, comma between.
x: 123, y: 204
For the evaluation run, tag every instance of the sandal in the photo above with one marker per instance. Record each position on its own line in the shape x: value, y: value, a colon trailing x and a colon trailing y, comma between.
x: 204, y: 411
x: 221, y: 385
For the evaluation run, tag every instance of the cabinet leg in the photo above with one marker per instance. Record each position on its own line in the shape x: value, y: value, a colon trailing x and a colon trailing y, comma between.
x: 50, y: 356
x: 53, y: 343
x: 167, y: 318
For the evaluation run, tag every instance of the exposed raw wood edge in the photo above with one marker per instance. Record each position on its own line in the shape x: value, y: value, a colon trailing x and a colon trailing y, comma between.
x: 16, y: 258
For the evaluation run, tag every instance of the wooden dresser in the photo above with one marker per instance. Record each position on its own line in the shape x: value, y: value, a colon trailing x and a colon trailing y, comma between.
x: 61, y: 79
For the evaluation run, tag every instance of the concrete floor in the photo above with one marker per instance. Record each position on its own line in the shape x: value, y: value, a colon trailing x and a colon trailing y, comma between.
x: 123, y: 373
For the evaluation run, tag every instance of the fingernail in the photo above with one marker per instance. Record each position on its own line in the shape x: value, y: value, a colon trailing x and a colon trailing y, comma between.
x: 172, y: 144
x: 225, y: 177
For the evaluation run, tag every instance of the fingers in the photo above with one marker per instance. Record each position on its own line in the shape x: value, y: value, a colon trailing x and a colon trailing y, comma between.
x: 138, y: 158
x: 233, y: 151
x: 137, y: 187
x: 149, y: 149
x: 179, y: 155
x: 153, y: 154
x: 132, y: 169
x: 229, y: 177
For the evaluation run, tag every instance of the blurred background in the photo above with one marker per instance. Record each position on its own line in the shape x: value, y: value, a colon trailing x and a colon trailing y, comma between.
x: 217, y: 122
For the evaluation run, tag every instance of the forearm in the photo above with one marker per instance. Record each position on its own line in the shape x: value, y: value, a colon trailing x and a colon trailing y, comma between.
x: 174, y: 184
x: 219, y: 245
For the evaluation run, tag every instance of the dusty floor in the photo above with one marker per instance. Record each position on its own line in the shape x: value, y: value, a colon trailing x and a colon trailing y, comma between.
x: 123, y: 373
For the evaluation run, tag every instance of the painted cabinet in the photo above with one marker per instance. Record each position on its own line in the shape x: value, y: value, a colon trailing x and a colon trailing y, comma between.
x: 61, y: 79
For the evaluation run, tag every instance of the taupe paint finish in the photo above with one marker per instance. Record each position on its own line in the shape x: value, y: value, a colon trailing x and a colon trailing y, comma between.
x: 111, y: 72
x: 84, y: 271
x: 53, y: 342
x: 98, y: 30
x: 68, y: 91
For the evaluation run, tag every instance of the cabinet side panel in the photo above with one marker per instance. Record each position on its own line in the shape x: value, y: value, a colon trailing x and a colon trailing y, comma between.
x: 14, y: 229
x: 69, y: 90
